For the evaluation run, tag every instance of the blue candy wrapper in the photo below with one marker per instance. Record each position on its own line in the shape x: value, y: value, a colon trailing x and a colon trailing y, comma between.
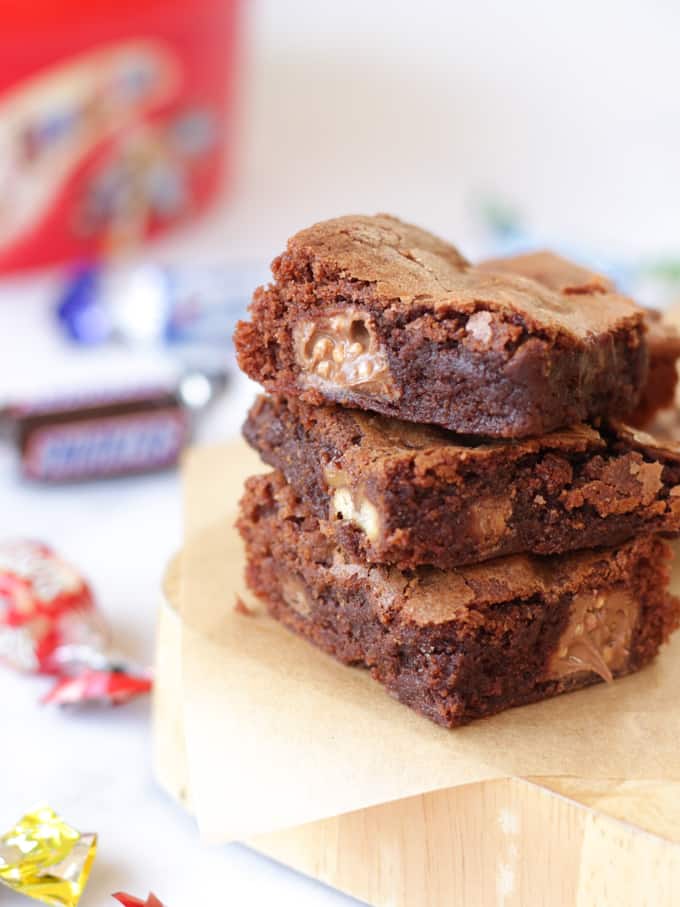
x: 156, y: 304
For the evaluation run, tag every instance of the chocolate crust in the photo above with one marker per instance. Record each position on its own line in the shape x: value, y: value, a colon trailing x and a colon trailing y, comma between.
x: 446, y: 343
x: 454, y: 645
x: 396, y: 493
x: 663, y: 340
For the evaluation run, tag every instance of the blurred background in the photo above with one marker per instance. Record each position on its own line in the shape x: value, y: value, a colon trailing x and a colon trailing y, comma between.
x: 468, y: 119
x: 153, y: 159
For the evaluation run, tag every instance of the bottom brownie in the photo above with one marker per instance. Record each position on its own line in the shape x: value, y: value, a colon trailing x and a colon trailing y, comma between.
x: 460, y: 644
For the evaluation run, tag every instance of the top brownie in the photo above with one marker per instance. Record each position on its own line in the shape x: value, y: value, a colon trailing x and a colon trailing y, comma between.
x: 380, y: 315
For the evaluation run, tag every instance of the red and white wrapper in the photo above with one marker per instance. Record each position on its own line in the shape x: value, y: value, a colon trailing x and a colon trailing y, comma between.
x: 112, y: 687
x: 128, y: 901
x: 49, y: 624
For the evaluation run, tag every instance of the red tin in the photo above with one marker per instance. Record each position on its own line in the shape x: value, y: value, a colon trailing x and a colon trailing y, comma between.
x: 115, y: 120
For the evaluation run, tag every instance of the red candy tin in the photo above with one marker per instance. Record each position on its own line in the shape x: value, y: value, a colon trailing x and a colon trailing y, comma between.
x: 114, y: 121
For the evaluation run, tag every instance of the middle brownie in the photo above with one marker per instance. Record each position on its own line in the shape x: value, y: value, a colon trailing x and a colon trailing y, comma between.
x: 398, y: 493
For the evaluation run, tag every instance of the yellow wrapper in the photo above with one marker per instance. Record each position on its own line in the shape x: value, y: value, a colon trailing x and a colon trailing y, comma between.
x: 44, y: 858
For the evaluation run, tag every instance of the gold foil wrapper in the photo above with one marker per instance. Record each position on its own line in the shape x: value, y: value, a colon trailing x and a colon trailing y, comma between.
x: 45, y: 859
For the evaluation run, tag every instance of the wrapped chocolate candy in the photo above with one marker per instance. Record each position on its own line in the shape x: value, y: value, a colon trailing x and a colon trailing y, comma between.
x: 47, y: 610
x: 46, y: 859
x: 100, y: 435
x: 128, y: 901
x: 112, y: 686
x: 49, y: 624
x: 151, y: 303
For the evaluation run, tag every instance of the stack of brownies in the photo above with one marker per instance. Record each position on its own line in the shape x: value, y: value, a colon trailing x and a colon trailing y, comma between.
x: 455, y: 503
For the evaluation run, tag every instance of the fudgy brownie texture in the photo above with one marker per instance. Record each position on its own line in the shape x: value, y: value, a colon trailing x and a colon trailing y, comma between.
x: 460, y: 644
x: 380, y: 315
x: 397, y: 493
x: 663, y: 340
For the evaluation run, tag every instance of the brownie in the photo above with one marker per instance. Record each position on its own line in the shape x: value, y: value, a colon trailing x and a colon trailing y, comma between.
x: 663, y: 340
x: 380, y: 315
x: 460, y: 644
x: 403, y: 494
x: 658, y: 394
x: 552, y: 271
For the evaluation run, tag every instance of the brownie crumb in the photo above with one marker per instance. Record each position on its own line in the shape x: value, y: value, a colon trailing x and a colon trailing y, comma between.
x: 242, y: 608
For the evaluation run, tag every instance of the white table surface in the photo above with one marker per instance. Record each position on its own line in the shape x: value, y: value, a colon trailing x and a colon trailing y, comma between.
x: 418, y: 110
x: 94, y: 765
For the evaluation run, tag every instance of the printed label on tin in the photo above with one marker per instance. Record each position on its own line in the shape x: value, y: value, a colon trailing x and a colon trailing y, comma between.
x: 51, y: 122
x: 105, y: 447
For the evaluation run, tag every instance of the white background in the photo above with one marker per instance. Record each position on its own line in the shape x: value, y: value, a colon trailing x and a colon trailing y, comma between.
x: 569, y: 111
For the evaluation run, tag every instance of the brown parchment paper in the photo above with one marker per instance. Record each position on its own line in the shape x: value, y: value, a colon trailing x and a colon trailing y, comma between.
x: 279, y: 734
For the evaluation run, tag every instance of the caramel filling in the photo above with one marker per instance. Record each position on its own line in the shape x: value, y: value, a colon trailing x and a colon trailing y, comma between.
x: 295, y: 596
x: 489, y: 521
x: 351, y: 506
x: 342, y: 351
x: 597, y: 637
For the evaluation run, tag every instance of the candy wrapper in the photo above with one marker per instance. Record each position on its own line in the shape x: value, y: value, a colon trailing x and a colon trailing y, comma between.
x: 114, y: 687
x: 128, y: 901
x: 102, y: 434
x: 45, y: 859
x: 49, y: 624
x: 156, y: 304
